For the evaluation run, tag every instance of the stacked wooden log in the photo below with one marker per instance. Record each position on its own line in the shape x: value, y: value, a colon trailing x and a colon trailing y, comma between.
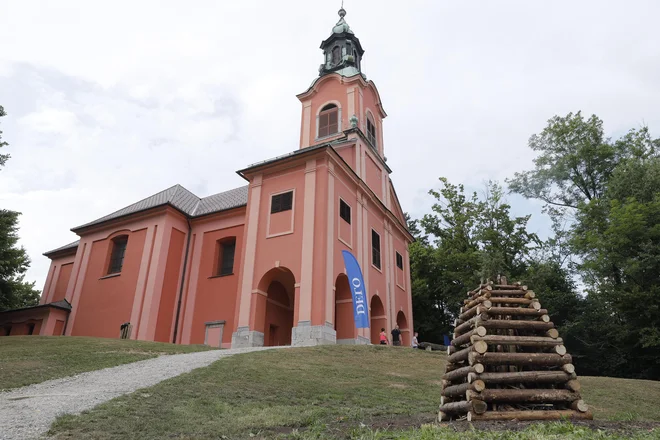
x: 507, y: 361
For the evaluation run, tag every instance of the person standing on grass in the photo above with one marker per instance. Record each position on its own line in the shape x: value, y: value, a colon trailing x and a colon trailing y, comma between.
x: 415, y: 342
x: 396, y: 335
x: 383, y: 337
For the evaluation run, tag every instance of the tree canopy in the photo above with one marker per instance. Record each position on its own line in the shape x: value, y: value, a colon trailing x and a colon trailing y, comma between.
x: 15, y: 292
x: 603, y: 198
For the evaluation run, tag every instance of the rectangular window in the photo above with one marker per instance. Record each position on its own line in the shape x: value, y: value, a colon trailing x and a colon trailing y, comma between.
x: 399, y: 261
x: 345, y: 211
x: 375, y: 249
x: 227, y: 251
x: 281, y: 202
x: 117, y: 256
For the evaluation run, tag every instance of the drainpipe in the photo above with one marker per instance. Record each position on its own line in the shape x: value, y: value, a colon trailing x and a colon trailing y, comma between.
x: 183, y: 280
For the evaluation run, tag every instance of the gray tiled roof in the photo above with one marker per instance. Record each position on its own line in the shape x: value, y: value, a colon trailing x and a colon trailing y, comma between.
x: 183, y: 200
x: 225, y: 200
x: 72, y: 245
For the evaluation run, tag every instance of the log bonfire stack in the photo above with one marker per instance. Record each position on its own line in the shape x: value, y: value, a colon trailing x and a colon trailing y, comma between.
x: 507, y: 361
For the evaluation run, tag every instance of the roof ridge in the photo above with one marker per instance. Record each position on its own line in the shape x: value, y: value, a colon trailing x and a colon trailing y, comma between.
x: 199, y: 199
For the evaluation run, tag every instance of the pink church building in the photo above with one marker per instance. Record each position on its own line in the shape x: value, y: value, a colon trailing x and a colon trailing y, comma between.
x: 256, y: 265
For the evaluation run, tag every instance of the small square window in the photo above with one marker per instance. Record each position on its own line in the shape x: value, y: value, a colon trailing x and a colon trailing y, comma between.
x: 281, y: 202
x: 345, y: 211
x: 375, y: 248
x: 399, y: 261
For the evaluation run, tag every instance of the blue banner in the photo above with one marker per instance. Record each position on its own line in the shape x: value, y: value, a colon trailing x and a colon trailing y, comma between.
x: 355, y: 280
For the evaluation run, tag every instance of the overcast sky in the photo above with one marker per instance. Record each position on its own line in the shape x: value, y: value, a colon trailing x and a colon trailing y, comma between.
x: 110, y: 102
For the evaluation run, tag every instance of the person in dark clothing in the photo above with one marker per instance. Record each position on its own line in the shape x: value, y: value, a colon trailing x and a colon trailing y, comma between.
x: 396, y: 335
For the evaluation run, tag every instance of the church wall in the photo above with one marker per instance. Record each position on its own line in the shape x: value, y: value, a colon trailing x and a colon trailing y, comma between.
x: 374, y: 175
x: 58, y: 279
x: 377, y: 277
x: 107, y: 301
x: 216, y: 295
x: 200, y: 294
x: 284, y: 249
x: 167, y: 301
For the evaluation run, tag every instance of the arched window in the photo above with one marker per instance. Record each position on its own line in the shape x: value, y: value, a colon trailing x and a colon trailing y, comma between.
x: 355, y: 58
x: 117, y: 255
x: 328, y: 120
x: 371, y: 131
x: 336, y: 55
x: 226, y: 251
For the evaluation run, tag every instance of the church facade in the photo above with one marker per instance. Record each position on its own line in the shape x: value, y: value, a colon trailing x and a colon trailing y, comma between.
x: 256, y: 265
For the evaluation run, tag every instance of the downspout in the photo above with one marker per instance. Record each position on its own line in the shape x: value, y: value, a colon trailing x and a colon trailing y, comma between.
x: 183, y: 280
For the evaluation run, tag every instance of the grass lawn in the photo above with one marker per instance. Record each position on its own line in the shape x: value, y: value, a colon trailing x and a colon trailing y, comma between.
x: 369, y: 392
x: 25, y: 360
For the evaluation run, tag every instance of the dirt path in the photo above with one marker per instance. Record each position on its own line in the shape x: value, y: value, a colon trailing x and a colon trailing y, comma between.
x: 27, y: 413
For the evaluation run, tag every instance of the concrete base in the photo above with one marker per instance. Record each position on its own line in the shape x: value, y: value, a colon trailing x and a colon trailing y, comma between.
x: 360, y: 340
x: 306, y: 335
x: 244, y: 337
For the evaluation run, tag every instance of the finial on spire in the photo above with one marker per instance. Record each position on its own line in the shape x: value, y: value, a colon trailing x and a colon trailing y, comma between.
x: 342, y: 11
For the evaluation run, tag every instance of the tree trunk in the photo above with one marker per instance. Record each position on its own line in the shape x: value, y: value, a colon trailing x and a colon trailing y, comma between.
x: 516, y: 324
x: 522, y: 341
x: 465, y: 337
x: 532, y: 359
x: 516, y: 311
x: 530, y: 415
x: 528, y: 395
x: 525, y: 377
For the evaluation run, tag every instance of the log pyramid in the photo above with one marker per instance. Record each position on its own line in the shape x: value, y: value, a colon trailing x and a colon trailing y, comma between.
x: 507, y: 361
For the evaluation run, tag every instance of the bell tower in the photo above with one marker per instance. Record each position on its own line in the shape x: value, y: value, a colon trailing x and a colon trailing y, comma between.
x: 343, y: 108
x: 342, y: 51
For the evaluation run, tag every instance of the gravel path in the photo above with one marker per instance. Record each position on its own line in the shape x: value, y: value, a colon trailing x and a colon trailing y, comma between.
x: 27, y: 413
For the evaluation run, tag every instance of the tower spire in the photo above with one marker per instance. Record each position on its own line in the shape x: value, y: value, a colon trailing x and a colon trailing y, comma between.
x: 342, y: 50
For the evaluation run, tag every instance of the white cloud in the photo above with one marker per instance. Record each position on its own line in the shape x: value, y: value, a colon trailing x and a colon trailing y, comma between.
x: 111, y: 102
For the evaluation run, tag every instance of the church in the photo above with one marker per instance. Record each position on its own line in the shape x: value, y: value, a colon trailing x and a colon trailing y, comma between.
x: 258, y: 265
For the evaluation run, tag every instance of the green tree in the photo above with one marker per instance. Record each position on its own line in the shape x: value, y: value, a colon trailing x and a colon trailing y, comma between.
x: 3, y: 157
x: 15, y: 292
x: 611, y: 189
x: 14, y: 262
x: 464, y: 239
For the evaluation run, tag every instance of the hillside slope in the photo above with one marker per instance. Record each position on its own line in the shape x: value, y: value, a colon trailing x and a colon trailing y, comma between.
x: 25, y: 360
x: 328, y: 391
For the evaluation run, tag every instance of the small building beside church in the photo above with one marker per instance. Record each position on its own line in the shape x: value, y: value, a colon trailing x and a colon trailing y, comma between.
x: 256, y: 265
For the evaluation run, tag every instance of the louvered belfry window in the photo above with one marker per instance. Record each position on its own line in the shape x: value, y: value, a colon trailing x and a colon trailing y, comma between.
x: 117, y: 256
x: 371, y: 132
x: 328, y: 120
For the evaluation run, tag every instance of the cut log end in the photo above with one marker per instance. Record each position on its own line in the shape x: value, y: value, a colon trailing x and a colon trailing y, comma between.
x: 478, y: 368
x: 553, y: 333
x: 478, y: 385
x: 573, y: 385
x: 560, y: 350
x: 480, y: 347
x: 580, y: 405
x: 569, y: 368
x: 545, y: 318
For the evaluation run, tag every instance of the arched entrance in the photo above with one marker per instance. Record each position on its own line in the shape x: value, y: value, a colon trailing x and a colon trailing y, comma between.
x: 344, y: 321
x: 277, y: 291
x: 403, y: 326
x: 378, y: 319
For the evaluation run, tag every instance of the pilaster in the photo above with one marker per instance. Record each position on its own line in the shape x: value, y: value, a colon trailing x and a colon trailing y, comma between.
x: 307, y: 266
